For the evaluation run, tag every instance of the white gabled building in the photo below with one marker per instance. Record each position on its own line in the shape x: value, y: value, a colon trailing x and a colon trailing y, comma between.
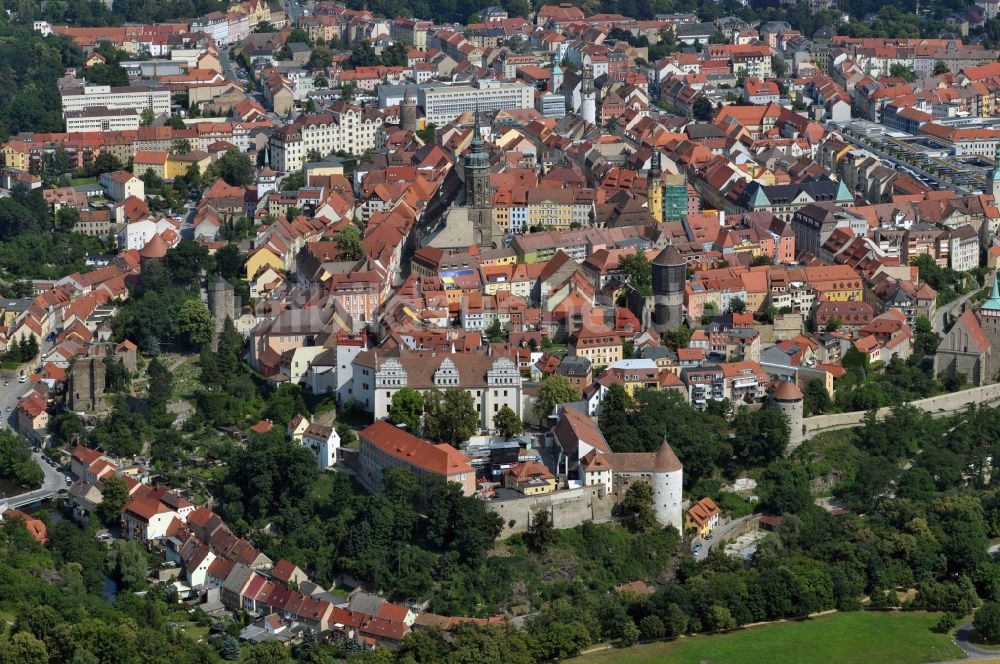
x: 345, y: 128
x: 323, y: 442
x: 493, y: 381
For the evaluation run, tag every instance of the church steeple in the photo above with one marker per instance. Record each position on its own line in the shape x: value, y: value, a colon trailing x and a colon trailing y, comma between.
x: 477, y: 169
x: 996, y: 178
x: 654, y: 187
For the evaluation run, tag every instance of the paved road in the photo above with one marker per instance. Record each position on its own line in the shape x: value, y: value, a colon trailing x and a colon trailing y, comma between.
x: 956, y: 306
x: 54, y: 479
x: 53, y: 483
x: 962, y: 636
x: 227, y: 66
x: 719, y: 535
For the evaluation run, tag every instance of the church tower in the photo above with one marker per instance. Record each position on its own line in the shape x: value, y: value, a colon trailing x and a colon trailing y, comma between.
x: 996, y: 178
x: 476, y: 167
x: 556, y: 79
x: 989, y: 311
x: 654, y: 187
x: 588, y: 96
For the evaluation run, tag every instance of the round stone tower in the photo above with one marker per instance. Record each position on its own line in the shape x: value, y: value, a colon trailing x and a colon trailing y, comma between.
x: 787, y: 398
x: 221, y: 304
x: 669, y: 277
x: 667, y: 482
x: 408, y: 112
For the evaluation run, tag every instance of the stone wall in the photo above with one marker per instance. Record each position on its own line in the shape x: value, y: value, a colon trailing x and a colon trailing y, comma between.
x: 943, y: 403
x: 567, y: 508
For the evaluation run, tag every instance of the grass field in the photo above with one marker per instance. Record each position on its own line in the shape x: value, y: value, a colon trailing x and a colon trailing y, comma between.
x: 841, y: 638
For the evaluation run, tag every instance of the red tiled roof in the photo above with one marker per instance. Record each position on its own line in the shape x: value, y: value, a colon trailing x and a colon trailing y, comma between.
x: 441, y: 459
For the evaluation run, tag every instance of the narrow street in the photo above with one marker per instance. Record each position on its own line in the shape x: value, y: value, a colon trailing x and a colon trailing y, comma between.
x: 720, y: 534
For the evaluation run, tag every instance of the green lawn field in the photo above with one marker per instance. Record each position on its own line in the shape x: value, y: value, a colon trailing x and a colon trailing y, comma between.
x: 858, y: 637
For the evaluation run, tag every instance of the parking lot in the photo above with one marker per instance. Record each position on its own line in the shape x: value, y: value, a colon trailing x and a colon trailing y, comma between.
x: 925, y: 160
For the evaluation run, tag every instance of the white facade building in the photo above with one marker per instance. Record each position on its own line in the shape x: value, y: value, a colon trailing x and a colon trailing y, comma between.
x: 350, y: 129
x: 493, y: 381
x: 323, y: 442
x: 443, y: 103
x: 102, y: 119
x: 131, y: 97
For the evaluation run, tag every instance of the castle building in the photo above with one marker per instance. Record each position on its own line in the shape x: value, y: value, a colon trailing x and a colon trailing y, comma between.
x: 585, y: 458
x: 493, y: 381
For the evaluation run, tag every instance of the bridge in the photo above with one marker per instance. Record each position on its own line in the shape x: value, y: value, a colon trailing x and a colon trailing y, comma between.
x: 53, y: 483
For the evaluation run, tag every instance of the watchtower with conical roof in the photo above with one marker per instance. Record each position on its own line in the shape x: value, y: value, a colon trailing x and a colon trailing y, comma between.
x: 989, y: 312
x: 996, y: 178
x: 787, y: 398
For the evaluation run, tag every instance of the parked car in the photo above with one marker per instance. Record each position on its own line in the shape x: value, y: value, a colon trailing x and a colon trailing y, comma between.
x: 697, y: 549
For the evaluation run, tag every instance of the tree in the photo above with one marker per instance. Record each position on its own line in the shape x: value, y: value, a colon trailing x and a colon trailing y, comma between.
x: 363, y: 54
x: 180, y: 146
x: 23, y: 648
x: 899, y: 70
x: 639, y: 272
x: 186, y: 262
x: 760, y: 436
x: 494, y: 331
x: 127, y: 562
x: 737, y: 305
x: 507, y: 423
x: 160, y: 383
x: 450, y: 415
x: 834, y: 324
x: 106, y: 163
x: 407, y: 408
x: 267, y: 653
x: 703, y: 109
x: 175, y: 122
x: 815, y: 398
x: 235, y: 168
x: 66, y: 218
x: 651, y: 627
x: 396, y: 54
x: 987, y: 621
x: 940, y: 67
x: 230, y: 649
x: 320, y: 57
x: 428, y: 134
x: 349, y: 247
x: 541, y: 533
x: 115, y: 494
x: 785, y: 487
x: 147, y: 117
x: 194, y: 324
x: 554, y: 390
x: 229, y: 261
x: 639, y: 503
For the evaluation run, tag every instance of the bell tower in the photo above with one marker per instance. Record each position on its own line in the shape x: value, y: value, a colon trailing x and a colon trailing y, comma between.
x: 996, y: 178
x: 477, y: 188
x: 654, y: 187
